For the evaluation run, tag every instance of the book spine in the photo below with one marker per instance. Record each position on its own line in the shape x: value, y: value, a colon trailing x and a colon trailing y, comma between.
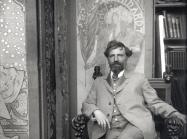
x: 178, y: 30
x: 169, y: 22
x: 165, y: 24
x: 183, y: 25
x: 174, y: 26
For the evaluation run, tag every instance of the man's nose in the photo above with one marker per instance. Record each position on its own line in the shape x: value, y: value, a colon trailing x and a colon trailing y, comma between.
x: 116, y: 58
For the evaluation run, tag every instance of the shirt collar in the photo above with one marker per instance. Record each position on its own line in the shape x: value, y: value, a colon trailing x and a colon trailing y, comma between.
x: 119, y: 75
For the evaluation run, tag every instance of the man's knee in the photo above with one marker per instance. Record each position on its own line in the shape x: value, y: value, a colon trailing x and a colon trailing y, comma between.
x: 131, y: 136
x: 131, y: 132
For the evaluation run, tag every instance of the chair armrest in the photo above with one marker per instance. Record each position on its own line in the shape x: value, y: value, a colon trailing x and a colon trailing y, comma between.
x: 174, y: 126
x: 79, y: 124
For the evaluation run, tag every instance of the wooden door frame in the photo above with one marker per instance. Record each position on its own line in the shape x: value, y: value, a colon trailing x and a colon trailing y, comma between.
x: 149, y: 51
x: 72, y: 43
x: 36, y: 65
x: 32, y: 68
x: 36, y: 36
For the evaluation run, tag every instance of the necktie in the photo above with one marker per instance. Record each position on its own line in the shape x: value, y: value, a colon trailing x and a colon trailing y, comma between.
x: 115, y: 77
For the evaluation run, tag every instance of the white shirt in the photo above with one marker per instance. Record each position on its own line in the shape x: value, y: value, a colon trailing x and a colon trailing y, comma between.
x: 119, y: 75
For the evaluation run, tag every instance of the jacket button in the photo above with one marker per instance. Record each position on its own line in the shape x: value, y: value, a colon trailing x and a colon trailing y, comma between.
x: 109, y: 103
x: 108, y: 115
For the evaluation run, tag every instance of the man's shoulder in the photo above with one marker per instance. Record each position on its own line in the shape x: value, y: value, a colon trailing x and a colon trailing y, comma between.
x: 136, y: 75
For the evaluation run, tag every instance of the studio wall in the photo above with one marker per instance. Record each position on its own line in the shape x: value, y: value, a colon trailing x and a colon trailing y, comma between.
x: 14, y: 113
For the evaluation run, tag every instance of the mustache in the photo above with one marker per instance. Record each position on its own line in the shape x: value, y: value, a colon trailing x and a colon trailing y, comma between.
x: 116, y: 63
x: 116, y: 67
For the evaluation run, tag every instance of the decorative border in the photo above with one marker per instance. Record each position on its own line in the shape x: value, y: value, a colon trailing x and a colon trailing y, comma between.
x: 49, y: 47
x: 21, y: 3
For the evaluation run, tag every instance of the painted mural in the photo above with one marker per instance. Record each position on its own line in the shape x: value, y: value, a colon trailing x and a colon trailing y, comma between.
x: 98, y: 22
x: 13, y: 73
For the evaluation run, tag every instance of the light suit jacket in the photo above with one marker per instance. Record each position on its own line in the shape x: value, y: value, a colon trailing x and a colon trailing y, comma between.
x: 135, y: 99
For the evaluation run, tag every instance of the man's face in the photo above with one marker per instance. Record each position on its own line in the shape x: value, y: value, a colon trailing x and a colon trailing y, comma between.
x: 117, y: 59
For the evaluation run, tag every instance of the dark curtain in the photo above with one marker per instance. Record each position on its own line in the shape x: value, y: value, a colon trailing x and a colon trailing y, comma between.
x: 178, y: 93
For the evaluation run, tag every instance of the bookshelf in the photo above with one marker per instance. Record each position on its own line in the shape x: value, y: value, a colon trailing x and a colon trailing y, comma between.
x: 169, y: 36
x: 170, y: 48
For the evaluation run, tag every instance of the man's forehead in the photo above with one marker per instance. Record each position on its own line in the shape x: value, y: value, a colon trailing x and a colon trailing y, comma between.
x: 118, y: 49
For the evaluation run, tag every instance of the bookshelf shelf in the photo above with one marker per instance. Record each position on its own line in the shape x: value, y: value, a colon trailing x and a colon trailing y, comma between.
x: 171, y: 5
x: 175, y: 41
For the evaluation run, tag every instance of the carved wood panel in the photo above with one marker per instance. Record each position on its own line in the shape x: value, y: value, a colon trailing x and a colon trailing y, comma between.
x: 62, y: 69
x: 55, y: 69
x: 47, y: 57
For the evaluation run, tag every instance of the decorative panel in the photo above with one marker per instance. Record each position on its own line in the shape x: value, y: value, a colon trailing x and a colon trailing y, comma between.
x: 98, y: 22
x: 48, y: 48
x: 13, y: 72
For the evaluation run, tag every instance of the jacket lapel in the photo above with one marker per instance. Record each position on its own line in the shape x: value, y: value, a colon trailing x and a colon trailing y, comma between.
x: 123, y: 86
x: 122, y: 83
x: 108, y: 83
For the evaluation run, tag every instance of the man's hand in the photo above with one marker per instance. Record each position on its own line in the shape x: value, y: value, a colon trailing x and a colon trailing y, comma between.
x: 180, y: 116
x: 101, y: 119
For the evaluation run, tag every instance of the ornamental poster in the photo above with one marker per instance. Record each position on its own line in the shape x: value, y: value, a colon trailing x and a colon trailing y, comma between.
x: 98, y: 22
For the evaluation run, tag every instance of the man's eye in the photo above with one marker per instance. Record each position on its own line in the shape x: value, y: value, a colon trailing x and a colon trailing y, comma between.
x: 111, y: 56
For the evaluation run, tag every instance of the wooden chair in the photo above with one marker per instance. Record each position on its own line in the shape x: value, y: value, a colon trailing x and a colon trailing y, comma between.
x: 172, y: 127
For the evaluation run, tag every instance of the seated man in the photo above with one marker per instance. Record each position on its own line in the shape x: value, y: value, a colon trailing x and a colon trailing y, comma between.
x: 122, y: 102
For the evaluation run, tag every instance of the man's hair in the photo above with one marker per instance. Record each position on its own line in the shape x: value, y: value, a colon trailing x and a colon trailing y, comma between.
x: 116, y: 44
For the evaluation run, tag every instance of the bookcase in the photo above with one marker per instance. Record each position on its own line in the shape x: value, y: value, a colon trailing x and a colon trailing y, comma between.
x: 169, y: 36
x: 170, y: 45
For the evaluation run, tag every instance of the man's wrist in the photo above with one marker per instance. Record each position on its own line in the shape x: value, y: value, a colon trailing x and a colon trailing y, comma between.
x: 93, y: 113
x: 93, y: 118
x: 173, y: 114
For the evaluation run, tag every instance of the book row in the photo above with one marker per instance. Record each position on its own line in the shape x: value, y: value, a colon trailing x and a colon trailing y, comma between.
x: 174, y: 25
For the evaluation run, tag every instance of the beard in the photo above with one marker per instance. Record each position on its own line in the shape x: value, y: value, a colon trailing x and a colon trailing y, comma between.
x: 116, y: 67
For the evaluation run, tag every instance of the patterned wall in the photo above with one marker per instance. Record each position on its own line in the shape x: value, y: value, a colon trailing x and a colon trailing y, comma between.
x: 13, y: 72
